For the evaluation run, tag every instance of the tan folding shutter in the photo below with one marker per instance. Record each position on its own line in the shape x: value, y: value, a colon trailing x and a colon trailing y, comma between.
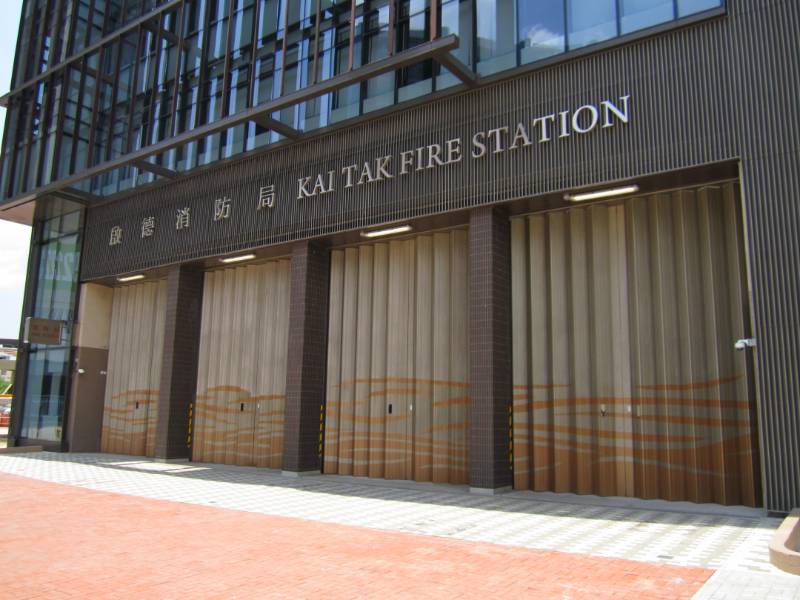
x: 397, y: 403
x: 134, y: 369
x: 625, y: 377
x: 241, y: 381
x: 572, y: 428
x: 694, y: 434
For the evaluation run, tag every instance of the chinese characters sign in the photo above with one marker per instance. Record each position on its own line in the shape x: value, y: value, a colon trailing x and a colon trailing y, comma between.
x: 223, y: 208
x: 43, y: 331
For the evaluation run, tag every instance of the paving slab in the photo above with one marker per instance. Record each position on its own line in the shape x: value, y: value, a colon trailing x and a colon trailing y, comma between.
x: 727, y: 543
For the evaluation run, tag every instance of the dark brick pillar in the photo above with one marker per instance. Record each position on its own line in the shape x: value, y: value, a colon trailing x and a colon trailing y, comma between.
x: 307, y: 356
x: 179, y: 362
x: 490, y: 348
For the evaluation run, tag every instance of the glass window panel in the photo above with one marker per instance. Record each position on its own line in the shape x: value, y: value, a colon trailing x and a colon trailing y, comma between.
x: 6, y: 170
x: 217, y: 40
x: 541, y: 29
x: 315, y: 112
x: 48, y: 367
x: 237, y: 99
x: 380, y: 92
x: 45, y: 394
x: 638, y: 14
x: 590, y: 21
x: 233, y: 141
x: 268, y: 20
x: 64, y: 155
x: 47, y: 159
x: 690, y: 7
x: 208, y: 150
x: 456, y: 18
x: 376, y: 45
x: 218, y: 10
x: 81, y: 154
x: 496, y: 35
x: 300, y: 11
x: 345, y: 103
x: 242, y: 31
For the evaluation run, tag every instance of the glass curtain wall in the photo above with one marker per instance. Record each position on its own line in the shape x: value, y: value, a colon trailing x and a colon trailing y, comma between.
x: 84, y: 95
x: 48, y: 367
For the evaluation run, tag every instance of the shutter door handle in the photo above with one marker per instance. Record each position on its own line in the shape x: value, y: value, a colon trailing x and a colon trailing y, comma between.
x: 744, y: 343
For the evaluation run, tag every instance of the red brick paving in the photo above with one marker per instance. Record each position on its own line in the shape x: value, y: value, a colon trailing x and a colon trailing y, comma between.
x: 65, y: 542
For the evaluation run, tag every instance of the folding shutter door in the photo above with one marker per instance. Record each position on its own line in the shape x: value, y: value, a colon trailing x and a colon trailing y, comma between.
x: 397, y: 401
x: 241, y: 381
x: 626, y: 381
x: 694, y: 406
x: 134, y: 369
x: 572, y: 426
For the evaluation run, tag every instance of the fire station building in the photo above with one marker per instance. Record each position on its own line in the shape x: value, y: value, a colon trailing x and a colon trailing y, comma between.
x: 508, y: 244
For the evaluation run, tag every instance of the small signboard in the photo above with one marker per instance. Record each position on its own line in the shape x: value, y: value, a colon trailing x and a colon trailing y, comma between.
x: 43, y: 331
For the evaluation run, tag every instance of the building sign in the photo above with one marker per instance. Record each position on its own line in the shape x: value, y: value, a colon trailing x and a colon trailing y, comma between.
x: 452, y: 155
x: 482, y: 145
x: 43, y: 331
x: 485, y: 144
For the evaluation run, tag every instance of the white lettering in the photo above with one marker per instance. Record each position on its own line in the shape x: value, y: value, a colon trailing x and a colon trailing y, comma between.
x: 266, y: 197
x: 564, y: 124
x: 366, y: 175
x: 406, y: 161
x: 521, y: 134
x: 381, y: 168
x: 582, y: 120
x: 302, y: 188
x: 349, y: 171
x: 576, y: 118
x: 478, y: 147
x: 545, y: 136
x: 420, y: 164
x: 609, y: 108
x: 453, y: 150
x: 116, y: 236
x: 319, y: 186
x: 498, y: 142
x: 434, y: 156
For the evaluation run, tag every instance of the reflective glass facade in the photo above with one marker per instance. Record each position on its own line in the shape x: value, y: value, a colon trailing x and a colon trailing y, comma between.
x: 47, y: 374
x: 98, y: 79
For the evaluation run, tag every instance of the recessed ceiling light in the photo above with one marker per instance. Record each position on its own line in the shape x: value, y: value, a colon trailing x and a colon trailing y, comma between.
x: 383, y: 232
x: 130, y: 278
x: 240, y: 258
x: 599, y: 194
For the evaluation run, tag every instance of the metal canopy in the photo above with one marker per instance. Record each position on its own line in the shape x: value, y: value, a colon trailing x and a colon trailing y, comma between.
x: 438, y: 50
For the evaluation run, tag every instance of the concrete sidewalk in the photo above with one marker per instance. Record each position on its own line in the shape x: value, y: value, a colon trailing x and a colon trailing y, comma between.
x: 730, y: 543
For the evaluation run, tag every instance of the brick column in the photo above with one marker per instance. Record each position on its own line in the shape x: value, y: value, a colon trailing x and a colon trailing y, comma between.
x: 179, y: 363
x: 490, y: 348
x: 307, y: 357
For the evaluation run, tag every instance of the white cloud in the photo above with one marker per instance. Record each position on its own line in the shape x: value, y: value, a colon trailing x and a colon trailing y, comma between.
x: 541, y: 36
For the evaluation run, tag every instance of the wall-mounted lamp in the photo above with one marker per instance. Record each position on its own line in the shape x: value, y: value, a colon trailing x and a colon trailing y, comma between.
x: 384, y: 232
x: 236, y: 259
x: 130, y: 278
x: 600, y: 194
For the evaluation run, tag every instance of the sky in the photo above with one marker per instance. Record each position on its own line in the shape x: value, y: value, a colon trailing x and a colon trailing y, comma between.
x: 14, y: 239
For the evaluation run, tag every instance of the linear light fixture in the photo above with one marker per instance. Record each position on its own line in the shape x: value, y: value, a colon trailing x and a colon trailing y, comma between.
x: 599, y: 194
x: 236, y: 259
x: 130, y: 278
x: 384, y: 232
